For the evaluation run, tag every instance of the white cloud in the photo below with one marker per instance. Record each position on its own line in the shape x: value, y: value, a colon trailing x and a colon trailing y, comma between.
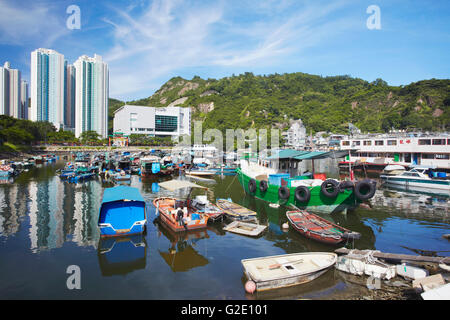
x: 171, y: 35
x: 21, y: 25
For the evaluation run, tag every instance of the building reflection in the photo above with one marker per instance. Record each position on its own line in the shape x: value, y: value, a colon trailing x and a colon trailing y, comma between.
x: 57, y: 211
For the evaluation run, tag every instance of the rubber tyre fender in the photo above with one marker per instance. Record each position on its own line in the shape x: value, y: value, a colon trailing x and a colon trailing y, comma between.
x: 284, y: 193
x: 302, y: 194
x: 330, y: 194
x: 360, y: 185
x: 263, y: 186
x: 344, y: 185
x: 252, y: 186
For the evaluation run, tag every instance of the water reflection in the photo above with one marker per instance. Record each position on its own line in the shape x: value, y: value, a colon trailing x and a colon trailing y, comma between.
x: 122, y: 255
x: 181, y: 255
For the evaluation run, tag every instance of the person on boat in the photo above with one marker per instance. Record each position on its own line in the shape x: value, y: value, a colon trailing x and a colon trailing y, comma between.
x: 180, y: 215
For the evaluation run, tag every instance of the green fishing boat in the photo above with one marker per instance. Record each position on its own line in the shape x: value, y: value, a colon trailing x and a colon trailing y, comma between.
x: 305, y: 191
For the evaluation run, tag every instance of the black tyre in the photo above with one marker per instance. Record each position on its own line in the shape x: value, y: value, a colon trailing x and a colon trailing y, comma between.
x: 252, y: 185
x: 330, y: 188
x: 365, y: 189
x: 302, y: 194
x: 344, y: 185
x: 284, y: 193
x: 263, y: 186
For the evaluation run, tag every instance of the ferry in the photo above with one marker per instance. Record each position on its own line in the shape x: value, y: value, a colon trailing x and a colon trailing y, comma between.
x: 373, y: 152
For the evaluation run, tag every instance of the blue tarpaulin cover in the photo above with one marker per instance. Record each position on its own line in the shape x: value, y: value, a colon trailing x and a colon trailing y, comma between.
x: 122, y: 193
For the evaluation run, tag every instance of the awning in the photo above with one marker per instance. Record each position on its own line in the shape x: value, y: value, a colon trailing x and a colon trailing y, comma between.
x: 173, y: 185
x: 286, y: 154
x: 313, y: 155
x: 122, y: 193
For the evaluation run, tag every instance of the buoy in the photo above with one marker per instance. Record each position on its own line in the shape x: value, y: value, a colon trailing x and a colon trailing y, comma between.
x: 250, y: 286
x: 285, y: 225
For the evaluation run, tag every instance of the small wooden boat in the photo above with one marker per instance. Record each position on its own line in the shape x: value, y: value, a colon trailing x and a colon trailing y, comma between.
x: 245, y: 228
x: 235, y: 211
x: 168, y: 208
x: 122, y: 212
x: 314, y: 227
x: 287, y: 270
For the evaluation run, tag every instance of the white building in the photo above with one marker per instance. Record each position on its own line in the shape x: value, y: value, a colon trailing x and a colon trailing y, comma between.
x: 404, y: 149
x: 10, y: 91
x: 295, y: 137
x: 47, y: 87
x: 168, y: 121
x: 91, y: 95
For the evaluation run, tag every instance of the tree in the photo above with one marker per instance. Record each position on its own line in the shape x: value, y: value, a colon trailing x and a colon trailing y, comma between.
x: 90, y: 137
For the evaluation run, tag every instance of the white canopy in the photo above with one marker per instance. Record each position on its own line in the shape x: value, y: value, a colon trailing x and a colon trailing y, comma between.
x: 173, y: 185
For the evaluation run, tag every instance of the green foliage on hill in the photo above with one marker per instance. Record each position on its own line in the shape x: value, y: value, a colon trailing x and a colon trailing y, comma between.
x: 323, y: 103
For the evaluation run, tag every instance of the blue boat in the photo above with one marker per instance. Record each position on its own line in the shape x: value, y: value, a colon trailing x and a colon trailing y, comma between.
x: 122, y: 212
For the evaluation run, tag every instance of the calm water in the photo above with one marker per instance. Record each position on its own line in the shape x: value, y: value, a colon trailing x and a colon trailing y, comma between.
x: 47, y: 225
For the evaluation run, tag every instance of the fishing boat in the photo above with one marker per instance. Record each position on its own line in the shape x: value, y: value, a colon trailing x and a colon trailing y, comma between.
x: 122, y: 212
x: 168, y: 208
x: 235, y: 211
x: 150, y: 166
x: 287, y: 270
x: 168, y: 213
x: 316, y: 228
x: 420, y: 178
x: 78, y: 177
x: 319, y: 194
x: 245, y: 228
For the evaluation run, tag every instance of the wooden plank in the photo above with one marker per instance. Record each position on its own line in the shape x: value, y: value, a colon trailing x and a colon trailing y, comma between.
x: 395, y: 256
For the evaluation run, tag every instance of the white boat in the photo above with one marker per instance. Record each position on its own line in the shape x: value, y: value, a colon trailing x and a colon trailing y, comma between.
x: 393, y: 169
x: 287, y: 270
x: 245, y: 228
x: 418, y: 177
x: 359, y: 264
x: 201, y: 172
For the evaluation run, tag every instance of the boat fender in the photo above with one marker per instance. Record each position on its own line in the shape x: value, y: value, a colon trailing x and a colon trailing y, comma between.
x: 327, y: 184
x: 302, y: 194
x: 344, y: 185
x: 284, y: 193
x: 263, y: 186
x: 252, y: 185
x: 366, y: 184
x: 250, y: 286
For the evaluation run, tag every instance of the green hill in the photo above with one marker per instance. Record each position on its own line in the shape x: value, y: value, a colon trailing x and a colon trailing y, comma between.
x: 323, y: 103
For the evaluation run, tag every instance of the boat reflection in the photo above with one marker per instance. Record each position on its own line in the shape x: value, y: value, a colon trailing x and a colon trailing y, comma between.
x: 181, y: 255
x: 122, y: 255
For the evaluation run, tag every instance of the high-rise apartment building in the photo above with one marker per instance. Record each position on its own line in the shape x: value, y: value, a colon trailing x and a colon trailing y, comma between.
x: 10, y: 100
x: 47, y: 86
x: 91, y: 95
x: 69, y: 93
x: 24, y: 105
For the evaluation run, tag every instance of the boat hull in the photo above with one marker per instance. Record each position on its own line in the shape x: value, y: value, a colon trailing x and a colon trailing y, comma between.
x: 436, y: 184
x: 317, y: 202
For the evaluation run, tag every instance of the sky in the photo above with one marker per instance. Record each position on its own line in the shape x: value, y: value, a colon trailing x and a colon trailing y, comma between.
x: 145, y: 43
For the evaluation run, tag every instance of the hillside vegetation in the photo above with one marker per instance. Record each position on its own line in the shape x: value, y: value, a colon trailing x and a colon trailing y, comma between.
x: 323, y: 103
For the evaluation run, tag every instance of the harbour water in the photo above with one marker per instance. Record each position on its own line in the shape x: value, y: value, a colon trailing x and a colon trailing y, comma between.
x: 47, y: 225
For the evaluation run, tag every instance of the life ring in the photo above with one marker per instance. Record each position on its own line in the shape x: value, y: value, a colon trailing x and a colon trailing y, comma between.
x: 284, y: 193
x: 263, y: 186
x: 363, y: 185
x: 326, y: 184
x: 302, y: 194
x: 252, y: 185
x: 344, y: 185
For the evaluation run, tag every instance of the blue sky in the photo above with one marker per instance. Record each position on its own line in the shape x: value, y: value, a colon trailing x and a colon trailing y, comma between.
x: 145, y: 43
